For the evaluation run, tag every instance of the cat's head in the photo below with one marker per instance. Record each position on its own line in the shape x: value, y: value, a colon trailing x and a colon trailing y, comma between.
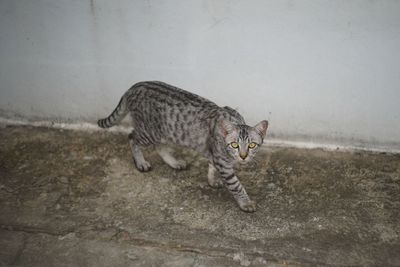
x: 243, y: 141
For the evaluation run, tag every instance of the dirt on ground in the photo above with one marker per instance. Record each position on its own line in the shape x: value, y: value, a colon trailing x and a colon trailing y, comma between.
x: 71, y: 198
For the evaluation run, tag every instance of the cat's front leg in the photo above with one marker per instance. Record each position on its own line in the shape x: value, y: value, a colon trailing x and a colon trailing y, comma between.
x: 213, y: 180
x: 234, y: 186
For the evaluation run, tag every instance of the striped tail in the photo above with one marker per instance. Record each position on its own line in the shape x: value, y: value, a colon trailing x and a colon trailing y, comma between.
x: 116, y: 116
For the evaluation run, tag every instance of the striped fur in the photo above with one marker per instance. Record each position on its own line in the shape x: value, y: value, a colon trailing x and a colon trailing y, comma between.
x: 162, y: 114
x: 116, y: 116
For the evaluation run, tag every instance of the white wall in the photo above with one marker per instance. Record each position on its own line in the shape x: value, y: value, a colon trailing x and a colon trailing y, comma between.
x: 316, y: 69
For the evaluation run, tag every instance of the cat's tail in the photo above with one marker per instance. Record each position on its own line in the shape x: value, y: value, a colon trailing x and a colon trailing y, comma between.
x: 116, y: 116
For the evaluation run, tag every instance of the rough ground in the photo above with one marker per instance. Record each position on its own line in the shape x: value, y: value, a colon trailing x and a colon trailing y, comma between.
x: 74, y: 199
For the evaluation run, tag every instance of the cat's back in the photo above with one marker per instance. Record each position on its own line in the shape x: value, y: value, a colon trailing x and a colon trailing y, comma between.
x: 164, y: 113
x: 163, y: 94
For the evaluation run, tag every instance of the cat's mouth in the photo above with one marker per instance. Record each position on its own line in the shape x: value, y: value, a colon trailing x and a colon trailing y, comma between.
x: 243, y: 161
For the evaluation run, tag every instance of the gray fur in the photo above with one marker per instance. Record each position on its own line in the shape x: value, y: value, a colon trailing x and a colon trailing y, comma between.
x: 163, y: 114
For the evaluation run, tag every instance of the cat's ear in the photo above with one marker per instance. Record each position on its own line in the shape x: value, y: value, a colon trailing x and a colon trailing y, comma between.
x: 261, y: 128
x: 225, y: 127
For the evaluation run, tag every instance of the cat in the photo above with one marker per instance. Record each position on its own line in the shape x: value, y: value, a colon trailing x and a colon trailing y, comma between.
x: 162, y: 114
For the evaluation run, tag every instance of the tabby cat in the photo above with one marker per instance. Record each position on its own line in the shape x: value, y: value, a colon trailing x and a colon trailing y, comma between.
x: 162, y: 113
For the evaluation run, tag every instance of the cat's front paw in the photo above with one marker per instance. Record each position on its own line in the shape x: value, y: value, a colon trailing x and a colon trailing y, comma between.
x: 179, y: 165
x: 215, y: 183
x: 143, y: 166
x: 249, y: 206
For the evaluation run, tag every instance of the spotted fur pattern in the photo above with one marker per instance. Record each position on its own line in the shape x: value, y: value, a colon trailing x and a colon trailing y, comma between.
x: 163, y: 114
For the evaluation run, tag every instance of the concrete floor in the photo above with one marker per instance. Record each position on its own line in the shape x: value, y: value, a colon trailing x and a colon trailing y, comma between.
x: 74, y: 199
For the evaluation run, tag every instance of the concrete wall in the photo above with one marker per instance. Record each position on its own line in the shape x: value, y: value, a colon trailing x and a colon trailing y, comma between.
x: 321, y: 70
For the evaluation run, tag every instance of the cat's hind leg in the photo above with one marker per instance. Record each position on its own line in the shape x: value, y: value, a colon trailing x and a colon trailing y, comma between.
x: 141, y: 164
x: 166, y: 154
x: 213, y: 180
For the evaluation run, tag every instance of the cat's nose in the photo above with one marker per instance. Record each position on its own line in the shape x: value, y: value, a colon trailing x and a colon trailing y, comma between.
x: 243, y: 156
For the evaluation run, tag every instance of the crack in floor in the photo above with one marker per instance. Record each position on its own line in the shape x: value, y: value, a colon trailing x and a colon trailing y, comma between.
x: 125, y: 237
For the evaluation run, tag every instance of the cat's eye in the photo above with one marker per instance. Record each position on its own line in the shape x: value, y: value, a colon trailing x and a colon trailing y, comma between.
x: 234, y: 145
x: 252, y: 145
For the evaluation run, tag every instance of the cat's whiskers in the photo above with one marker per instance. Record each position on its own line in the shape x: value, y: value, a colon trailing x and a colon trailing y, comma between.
x: 254, y: 162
